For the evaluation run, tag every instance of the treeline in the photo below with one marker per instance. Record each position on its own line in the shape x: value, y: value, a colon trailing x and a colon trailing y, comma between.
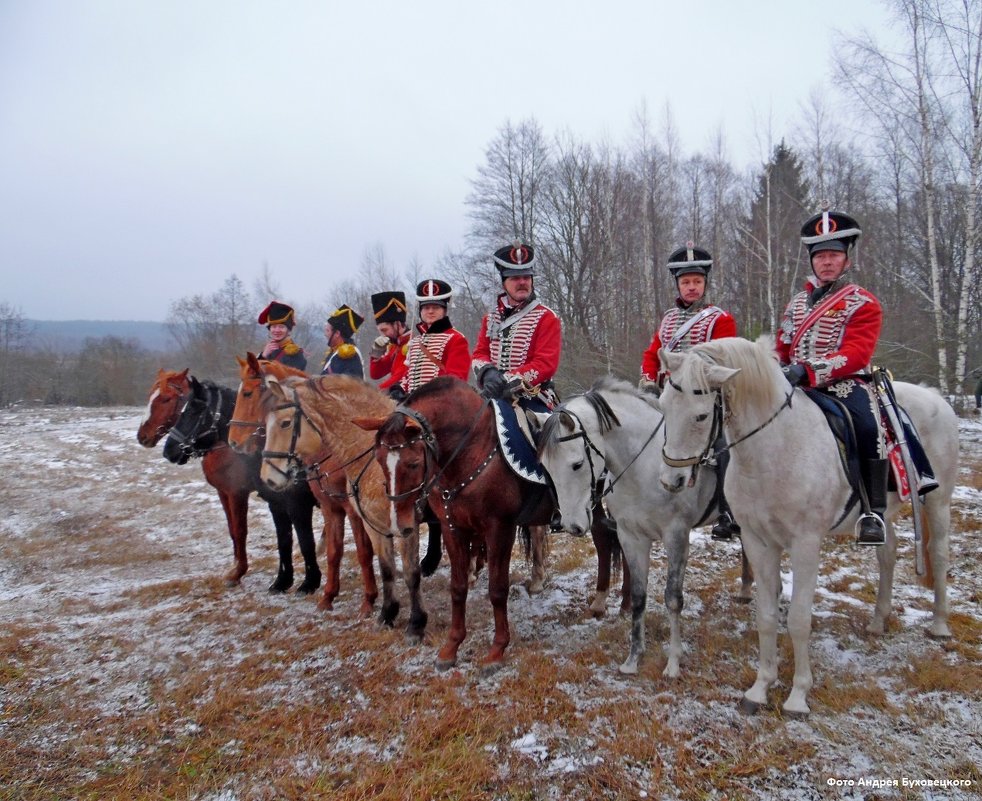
x: 897, y: 142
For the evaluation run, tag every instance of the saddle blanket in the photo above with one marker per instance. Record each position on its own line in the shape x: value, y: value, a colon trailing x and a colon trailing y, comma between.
x: 515, y: 445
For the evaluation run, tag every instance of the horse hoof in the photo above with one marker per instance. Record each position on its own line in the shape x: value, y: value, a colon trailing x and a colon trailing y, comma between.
x: 232, y: 582
x: 444, y: 665
x: 281, y: 585
x: 742, y: 599
x: 326, y: 604
x: 598, y: 614
x: 938, y: 636
x: 414, y: 638
x: 628, y: 669
x: 748, y: 707
x: 795, y: 715
x: 489, y: 669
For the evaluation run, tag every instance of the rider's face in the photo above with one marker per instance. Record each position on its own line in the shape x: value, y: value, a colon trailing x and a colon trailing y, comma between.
x: 692, y: 287
x: 518, y: 288
x: 278, y: 331
x: 828, y: 265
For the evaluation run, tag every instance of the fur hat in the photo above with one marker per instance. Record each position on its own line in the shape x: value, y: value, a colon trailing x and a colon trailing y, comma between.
x: 830, y: 230
x: 690, y: 259
x: 514, y: 260
x: 435, y: 291
x: 345, y: 320
x: 277, y: 313
x: 389, y: 307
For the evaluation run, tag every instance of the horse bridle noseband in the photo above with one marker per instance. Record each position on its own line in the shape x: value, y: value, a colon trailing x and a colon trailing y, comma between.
x: 596, y: 481
x: 258, y: 426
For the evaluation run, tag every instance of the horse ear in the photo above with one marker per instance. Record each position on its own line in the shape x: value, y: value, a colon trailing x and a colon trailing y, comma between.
x: 540, y: 419
x: 369, y: 423
x: 195, y: 383
x: 273, y: 385
x: 253, y: 362
x: 669, y: 361
x: 412, y: 426
x: 567, y: 421
x: 719, y: 375
x: 242, y: 362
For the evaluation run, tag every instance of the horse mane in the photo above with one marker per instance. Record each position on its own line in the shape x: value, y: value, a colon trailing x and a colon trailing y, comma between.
x: 606, y: 419
x: 759, y: 382
x: 279, y: 370
x: 353, y: 393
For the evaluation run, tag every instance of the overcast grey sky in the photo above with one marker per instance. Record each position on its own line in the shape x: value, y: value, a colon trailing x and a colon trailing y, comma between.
x: 148, y: 150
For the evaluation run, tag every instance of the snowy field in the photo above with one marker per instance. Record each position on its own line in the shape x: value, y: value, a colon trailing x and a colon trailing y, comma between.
x: 120, y: 647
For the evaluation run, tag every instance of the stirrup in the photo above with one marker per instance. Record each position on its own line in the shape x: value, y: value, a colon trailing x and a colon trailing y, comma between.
x: 725, y: 528
x: 875, y: 534
x: 925, y: 484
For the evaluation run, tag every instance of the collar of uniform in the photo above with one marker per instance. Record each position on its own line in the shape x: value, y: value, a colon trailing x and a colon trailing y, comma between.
x: 691, y: 307
x: 438, y: 327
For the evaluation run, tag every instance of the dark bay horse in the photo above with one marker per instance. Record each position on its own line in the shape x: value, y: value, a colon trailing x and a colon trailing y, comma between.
x: 441, y: 445
x: 201, y: 429
x: 325, y: 477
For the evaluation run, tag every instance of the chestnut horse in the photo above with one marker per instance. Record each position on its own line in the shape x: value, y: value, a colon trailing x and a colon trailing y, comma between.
x: 325, y: 477
x: 317, y: 412
x: 167, y: 396
x: 441, y: 445
x: 201, y: 429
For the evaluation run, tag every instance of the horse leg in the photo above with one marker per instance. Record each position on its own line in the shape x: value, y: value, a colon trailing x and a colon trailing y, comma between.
x: 333, y: 539
x: 301, y: 513
x: 540, y: 552
x: 236, y: 508
x: 499, y: 547
x: 409, y: 552
x: 937, y: 524
x: 284, y: 545
x: 746, y: 593
x: 387, y: 567
x: 677, y: 551
x: 365, y: 552
x: 886, y: 557
x: 804, y: 567
x: 434, y: 548
x: 602, y: 542
x: 625, y: 584
x: 459, y: 549
x: 637, y: 553
x: 766, y: 562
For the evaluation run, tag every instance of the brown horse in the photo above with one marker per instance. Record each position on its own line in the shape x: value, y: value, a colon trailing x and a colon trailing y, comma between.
x: 310, y: 414
x: 441, y: 445
x: 167, y: 396
x: 325, y: 477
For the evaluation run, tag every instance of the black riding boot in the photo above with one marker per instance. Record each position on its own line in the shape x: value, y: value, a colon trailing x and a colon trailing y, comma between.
x: 725, y: 528
x: 871, y: 530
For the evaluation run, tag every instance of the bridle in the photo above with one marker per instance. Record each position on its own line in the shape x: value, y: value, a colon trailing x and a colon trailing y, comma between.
x: 258, y: 426
x: 295, y: 469
x: 210, y: 413
x: 709, y: 454
x: 432, y: 471
x: 164, y: 428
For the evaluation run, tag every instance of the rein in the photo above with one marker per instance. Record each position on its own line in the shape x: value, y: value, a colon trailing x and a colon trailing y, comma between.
x: 299, y: 415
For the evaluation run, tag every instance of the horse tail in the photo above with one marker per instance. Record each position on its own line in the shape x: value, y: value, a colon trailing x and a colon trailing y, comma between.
x: 927, y: 580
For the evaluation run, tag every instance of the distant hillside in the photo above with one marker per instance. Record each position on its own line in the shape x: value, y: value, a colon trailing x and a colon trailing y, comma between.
x: 70, y: 335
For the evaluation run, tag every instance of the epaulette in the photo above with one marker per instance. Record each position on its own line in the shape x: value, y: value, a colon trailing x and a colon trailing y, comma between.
x: 291, y: 349
x: 347, y: 351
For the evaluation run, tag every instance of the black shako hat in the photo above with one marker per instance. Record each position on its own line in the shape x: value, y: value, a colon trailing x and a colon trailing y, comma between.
x: 514, y: 260
x: 435, y: 291
x: 277, y: 313
x: 345, y: 320
x: 830, y: 230
x: 389, y: 307
x: 690, y: 259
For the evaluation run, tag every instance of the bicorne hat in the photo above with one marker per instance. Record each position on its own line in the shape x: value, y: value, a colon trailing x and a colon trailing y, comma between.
x: 345, y: 320
x: 690, y: 259
x: 277, y: 313
x: 435, y: 291
x: 830, y: 230
x: 389, y: 307
x: 514, y: 260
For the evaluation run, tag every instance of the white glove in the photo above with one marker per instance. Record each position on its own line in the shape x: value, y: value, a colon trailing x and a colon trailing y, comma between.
x: 379, y: 345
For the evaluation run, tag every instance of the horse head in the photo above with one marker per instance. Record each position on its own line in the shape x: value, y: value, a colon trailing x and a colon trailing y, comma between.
x: 167, y: 396
x: 292, y: 434
x: 407, y: 453
x: 573, y: 457
x: 197, y: 426
x: 692, y: 405
x: 246, y: 431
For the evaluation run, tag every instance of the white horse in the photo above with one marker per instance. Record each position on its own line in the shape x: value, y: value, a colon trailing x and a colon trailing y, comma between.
x: 613, y: 434
x: 787, y: 488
